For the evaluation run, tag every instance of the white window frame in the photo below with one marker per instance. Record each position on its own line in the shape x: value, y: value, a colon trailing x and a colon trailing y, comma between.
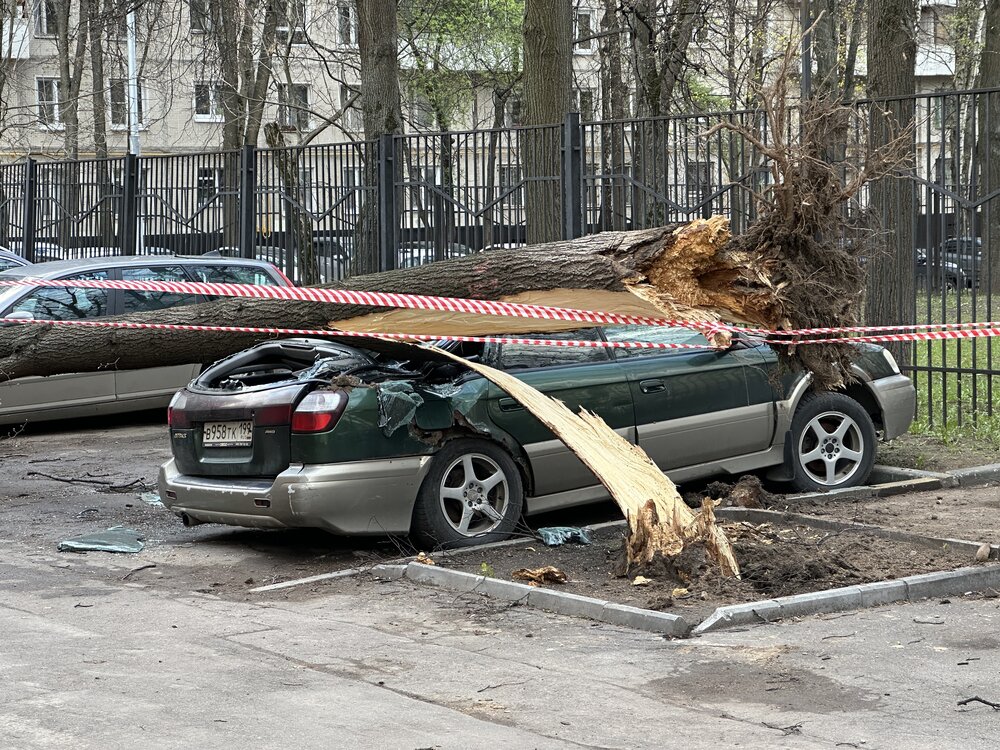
x: 294, y: 34
x: 215, y: 113
x: 56, y: 104
x: 587, y: 47
x: 290, y: 112
x: 45, y: 27
x: 352, y: 23
x: 351, y: 120
x: 143, y: 105
x: 206, y: 17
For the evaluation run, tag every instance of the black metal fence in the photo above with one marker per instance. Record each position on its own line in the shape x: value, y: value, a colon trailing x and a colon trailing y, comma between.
x: 411, y: 199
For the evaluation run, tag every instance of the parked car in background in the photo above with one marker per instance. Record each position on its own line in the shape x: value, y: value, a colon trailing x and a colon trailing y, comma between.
x: 10, y: 260
x: 272, y: 436
x: 947, y: 275
x: 417, y: 253
x: 964, y: 252
x: 108, y: 391
x: 44, y: 251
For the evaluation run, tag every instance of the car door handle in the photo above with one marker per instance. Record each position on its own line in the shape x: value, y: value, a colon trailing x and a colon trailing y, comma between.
x: 509, y: 404
x: 652, y: 386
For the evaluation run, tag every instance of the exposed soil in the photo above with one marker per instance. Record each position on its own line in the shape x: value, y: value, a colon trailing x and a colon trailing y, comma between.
x: 930, y: 453
x: 775, y: 561
x: 971, y: 513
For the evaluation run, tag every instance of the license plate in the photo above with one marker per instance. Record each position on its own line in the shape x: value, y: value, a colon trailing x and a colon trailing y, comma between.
x: 227, y: 434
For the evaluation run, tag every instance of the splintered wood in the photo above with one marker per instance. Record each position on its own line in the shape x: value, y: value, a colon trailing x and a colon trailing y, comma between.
x: 660, y: 524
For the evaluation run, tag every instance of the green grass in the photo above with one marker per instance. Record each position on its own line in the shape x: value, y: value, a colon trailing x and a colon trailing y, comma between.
x: 956, y: 406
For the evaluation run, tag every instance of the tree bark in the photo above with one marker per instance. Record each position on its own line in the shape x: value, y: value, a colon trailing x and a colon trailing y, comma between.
x: 891, y: 59
x: 378, y: 38
x: 988, y: 143
x: 682, y: 272
x: 547, y: 94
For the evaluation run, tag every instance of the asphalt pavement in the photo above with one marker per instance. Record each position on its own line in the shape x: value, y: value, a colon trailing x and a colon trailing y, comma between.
x: 167, y: 649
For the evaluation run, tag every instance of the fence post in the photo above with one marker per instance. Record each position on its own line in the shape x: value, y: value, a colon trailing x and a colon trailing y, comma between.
x: 30, y: 191
x: 386, y: 179
x: 248, y: 200
x: 572, y: 177
x: 129, y: 218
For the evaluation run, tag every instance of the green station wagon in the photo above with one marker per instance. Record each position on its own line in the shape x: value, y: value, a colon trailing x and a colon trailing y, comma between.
x: 393, y: 439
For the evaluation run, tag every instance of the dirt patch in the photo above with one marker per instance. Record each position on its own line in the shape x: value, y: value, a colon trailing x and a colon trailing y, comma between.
x: 775, y: 561
x: 971, y: 513
x: 930, y: 453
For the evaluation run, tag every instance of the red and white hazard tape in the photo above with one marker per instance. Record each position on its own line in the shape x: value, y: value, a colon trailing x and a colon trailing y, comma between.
x: 566, y: 343
x: 510, y: 309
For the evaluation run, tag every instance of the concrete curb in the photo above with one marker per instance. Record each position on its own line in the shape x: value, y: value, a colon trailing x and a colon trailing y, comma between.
x: 561, y: 602
x: 882, y: 474
x: 911, y: 588
x: 977, y: 475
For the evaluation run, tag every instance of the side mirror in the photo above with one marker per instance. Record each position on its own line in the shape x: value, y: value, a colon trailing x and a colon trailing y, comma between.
x: 19, y: 315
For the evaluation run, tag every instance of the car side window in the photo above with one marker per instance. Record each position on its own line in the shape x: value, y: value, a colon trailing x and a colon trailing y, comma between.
x: 523, y: 356
x: 145, y: 301
x: 653, y: 334
x: 66, y: 303
x: 231, y: 275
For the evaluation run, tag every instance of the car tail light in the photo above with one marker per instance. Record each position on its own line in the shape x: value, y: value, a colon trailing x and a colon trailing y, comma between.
x: 319, y: 411
x: 176, y: 416
x: 282, y: 274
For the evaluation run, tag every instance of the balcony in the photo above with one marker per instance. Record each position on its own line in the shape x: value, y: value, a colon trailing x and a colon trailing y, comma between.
x: 16, y: 33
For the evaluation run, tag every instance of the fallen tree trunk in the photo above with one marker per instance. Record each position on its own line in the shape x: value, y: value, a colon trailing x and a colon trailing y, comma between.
x: 682, y: 272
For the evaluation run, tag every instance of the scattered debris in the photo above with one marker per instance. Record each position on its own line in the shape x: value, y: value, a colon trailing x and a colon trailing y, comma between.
x: 548, y: 574
x: 151, y: 498
x: 678, y: 592
x: 115, y: 539
x: 641, y: 581
x: 747, y: 492
x: 136, y: 570
x: 487, y: 570
x: 983, y: 553
x: 977, y: 699
x: 424, y: 558
x: 927, y: 622
x: 554, y: 536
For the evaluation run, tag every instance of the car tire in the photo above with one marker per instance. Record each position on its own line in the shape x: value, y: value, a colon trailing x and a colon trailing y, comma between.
x: 833, y: 443
x: 473, y: 494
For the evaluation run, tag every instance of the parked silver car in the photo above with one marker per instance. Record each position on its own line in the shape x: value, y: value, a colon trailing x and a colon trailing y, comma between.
x: 109, y: 391
x: 10, y: 260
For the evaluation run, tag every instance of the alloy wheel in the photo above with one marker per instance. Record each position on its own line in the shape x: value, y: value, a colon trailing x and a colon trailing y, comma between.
x: 474, y: 494
x: 831, y: 448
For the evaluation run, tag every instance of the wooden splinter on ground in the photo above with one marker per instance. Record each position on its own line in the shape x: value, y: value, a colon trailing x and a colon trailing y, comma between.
x: 661, y: 525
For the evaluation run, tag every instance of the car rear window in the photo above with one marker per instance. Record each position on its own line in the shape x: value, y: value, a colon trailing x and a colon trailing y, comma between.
x: 652, y: 334
x: 523, y: 356
x: 222, y: 274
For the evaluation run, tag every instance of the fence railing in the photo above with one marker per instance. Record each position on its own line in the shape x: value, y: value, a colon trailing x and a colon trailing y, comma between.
x: 326, y: 211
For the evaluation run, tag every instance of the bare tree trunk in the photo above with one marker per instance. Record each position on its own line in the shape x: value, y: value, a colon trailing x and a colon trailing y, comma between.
x: 613, y: 101
x: 378, y: 38
x: 891, y: 60
x: 826, y: 46
x: 988, y: 142
x: 105, y: 211
x: 548, y: 86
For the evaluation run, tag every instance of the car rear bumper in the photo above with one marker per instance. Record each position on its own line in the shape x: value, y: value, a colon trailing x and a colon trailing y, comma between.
x: 357, y: 497
x: 897, y: 398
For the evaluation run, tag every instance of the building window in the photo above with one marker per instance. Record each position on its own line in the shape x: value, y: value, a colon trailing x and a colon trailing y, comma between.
x: 209, y: 184
x: 293, y: 106
x: 421, y: 111
x: 347, y: 24
x: 510, y: 180
x: 292, y: 22
x: 208, y: 101
x: 201, y: 16
x: 49, y: 103
x: 584, y: 32
x: 45, y: 18
x: 119, y: 104
x: 351, y: 116
x: 583, y: 102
